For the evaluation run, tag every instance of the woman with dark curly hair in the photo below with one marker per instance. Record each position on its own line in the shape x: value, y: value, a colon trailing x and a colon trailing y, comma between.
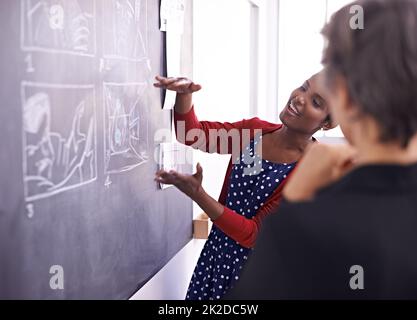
x: 254, y: 178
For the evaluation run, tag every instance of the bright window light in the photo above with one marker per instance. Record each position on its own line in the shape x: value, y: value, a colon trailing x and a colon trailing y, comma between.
x: 301, y: 45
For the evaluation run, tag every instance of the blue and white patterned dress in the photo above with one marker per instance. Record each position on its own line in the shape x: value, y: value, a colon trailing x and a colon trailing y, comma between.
x: 222, y: 258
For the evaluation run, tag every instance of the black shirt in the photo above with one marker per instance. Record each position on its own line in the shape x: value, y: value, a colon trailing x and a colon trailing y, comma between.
x: 366, y: 222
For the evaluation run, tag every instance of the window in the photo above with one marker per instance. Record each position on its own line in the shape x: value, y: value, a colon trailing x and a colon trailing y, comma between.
x: 301, y: 45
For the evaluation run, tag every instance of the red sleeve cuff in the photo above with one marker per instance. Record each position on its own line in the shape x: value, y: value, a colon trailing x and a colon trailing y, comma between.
x: 190, y: 115
x: 227, y: 220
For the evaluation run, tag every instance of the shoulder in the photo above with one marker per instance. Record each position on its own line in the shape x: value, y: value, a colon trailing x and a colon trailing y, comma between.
x: 257, y: 123
x: 320, y: 216
x: 307, y: 234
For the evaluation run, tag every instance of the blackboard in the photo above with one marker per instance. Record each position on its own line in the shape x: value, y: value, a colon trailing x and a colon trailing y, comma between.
x: 78, y: 119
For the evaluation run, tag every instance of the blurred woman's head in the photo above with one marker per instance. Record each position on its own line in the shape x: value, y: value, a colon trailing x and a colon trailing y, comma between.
x: 307, y: 109
x: 372, y: 72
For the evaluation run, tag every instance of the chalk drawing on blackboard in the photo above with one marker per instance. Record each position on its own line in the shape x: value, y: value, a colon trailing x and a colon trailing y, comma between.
x: 125, y: 30
x: 59, y: 26
x: 59, y: 138
x: 126, y: 126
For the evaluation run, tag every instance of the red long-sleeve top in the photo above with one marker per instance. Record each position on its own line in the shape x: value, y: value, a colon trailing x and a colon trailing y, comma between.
x: 236, y: 226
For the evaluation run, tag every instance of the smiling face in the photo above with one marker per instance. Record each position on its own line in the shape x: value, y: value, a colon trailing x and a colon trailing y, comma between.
x: 307, y: 109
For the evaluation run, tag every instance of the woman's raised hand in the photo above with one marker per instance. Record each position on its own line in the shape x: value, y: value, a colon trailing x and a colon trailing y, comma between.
x: 179, y: 85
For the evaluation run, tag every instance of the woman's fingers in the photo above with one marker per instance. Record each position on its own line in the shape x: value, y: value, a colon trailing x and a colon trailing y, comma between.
x: 199, y: 171
x: 165, y: 82
x: 195, y: 87
x: 163, y: 79
x: 177, y: 86
x: 181, y: 85
x: 164, y: 177
x: 346, y: 160
x: 171, y: 177
x: 179, y: 176
x: 172, y: 85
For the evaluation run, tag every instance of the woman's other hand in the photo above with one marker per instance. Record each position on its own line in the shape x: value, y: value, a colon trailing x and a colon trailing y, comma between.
x: 320, y: 166
x: 188, y: 184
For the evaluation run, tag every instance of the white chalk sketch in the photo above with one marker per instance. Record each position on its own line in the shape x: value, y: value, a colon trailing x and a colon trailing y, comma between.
x: 126, y: 126
x: 63, y: 26
x: 59, y: 138
x: 125, y: 29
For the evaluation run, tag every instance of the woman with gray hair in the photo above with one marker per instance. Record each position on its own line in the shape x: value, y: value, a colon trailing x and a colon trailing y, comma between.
x: 346, y: 228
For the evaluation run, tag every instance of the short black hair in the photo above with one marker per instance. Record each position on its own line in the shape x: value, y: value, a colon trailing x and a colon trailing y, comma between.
x: 378, y: 62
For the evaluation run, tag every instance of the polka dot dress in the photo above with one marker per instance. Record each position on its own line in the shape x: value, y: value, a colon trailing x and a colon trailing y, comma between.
x: 222, y: 258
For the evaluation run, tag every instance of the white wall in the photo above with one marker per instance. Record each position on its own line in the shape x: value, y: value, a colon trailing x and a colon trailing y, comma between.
x: 301, y: 45
x: 223, y: 33
x: 221, y: 66
x: 171, y: 282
